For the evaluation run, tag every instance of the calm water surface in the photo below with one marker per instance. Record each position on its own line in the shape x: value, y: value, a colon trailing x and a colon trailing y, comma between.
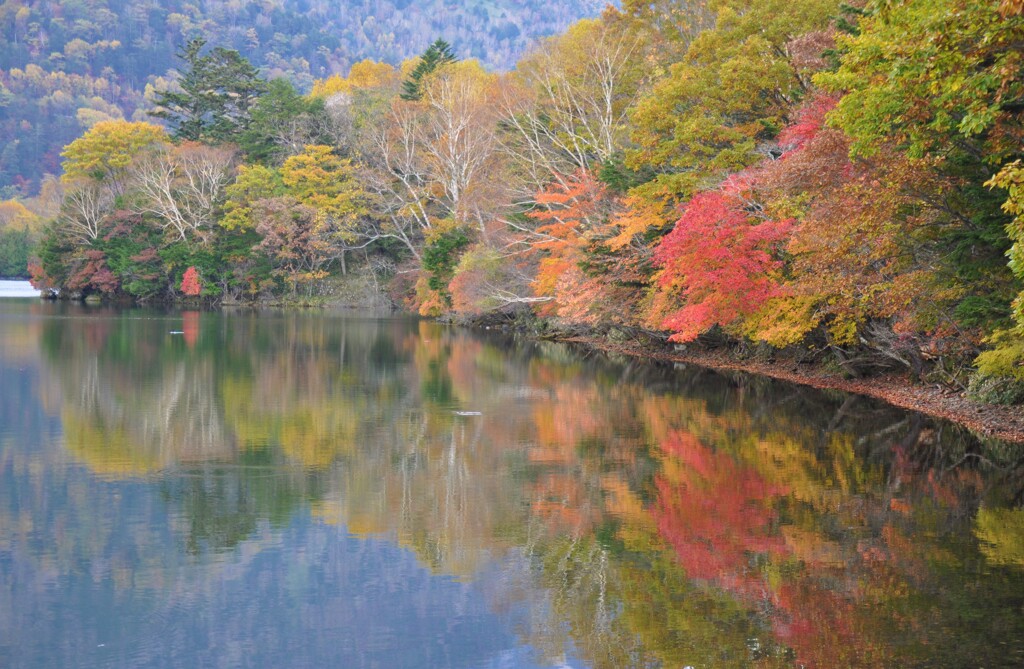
x: 16, y: 288
x: 237, y: 489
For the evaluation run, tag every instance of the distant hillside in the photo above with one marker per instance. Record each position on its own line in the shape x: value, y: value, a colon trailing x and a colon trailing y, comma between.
x: 66, y: 63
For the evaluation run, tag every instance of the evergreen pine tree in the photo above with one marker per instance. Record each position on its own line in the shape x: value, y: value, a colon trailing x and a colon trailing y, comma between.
x: 437, y: 54
x: 282, y: 122
x: 217, y: 93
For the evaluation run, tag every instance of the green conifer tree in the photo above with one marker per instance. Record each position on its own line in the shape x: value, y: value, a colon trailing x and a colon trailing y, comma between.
x: 216, y: 96
x: 437, y: 54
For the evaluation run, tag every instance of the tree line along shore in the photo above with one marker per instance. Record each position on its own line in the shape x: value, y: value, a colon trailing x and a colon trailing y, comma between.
x: 839, y: 182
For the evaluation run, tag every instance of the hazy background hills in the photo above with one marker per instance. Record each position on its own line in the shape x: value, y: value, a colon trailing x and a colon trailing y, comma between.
x: 64, y: 64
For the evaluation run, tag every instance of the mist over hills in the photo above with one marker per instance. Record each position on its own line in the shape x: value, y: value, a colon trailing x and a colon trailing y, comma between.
x: 64, y: 64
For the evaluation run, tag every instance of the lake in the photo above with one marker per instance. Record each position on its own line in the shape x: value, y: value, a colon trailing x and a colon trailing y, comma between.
x: 285, y: 489
x: 13, y: 288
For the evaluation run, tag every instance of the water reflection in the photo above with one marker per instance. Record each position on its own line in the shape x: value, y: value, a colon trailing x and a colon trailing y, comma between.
x: 312, y: 490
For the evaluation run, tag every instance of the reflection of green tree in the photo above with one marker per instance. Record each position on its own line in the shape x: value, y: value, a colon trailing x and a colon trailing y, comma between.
x: 640, y: 610
x: 223, y: 506
x: 437, y: 385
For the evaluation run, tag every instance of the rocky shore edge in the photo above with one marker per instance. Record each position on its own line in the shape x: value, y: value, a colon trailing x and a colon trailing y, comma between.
x: 992, y: 421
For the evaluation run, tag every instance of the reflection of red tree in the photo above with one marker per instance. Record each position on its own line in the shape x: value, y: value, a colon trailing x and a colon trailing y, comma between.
x: 947, y: 487
x: 96, y: 333
x: 716, y: 514
x: 719, y: 517
x: 817, y: 624
x: 190, y: 327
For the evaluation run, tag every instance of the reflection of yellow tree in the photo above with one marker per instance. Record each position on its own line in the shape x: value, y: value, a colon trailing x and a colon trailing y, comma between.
x: 21, y: 344
x: 108, y: 450
x: 1002, y: 534
x: 312, y: 427
x: 122, y: 426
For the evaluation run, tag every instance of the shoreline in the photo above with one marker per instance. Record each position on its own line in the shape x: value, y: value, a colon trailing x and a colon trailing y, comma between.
x: 994, y: 421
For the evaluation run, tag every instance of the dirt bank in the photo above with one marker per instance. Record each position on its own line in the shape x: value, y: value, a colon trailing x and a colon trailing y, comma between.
x: 989, y: 420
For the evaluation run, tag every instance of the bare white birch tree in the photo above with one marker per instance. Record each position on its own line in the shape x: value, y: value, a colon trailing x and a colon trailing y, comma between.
x: 86, y: 204
x: 182, y: 186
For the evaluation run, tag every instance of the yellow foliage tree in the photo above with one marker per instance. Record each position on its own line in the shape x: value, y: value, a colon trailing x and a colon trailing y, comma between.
x: 364, y: 74
x: 253, y: 183
x: 106, y: 150
x: 315, y: 219
x: 320, y: 179
x: 15, y: 216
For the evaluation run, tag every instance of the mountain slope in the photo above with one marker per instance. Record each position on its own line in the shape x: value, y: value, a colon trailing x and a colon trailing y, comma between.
x: 66, y: 63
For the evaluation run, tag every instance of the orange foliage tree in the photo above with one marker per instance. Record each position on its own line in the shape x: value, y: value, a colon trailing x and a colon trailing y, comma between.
x: 567, y: 210
x: 586, y: 268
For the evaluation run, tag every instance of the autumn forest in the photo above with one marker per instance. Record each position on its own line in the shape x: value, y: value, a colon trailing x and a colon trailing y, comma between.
x: 839, y: 178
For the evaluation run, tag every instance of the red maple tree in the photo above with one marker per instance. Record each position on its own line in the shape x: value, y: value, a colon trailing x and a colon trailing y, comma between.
x: 718, y: 265
x: 190, y: 284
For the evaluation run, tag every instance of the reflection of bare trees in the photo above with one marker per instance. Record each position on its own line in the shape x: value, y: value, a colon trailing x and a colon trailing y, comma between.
x: 135, y: 428
x: 189, y: 416
x: 431, y: 482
